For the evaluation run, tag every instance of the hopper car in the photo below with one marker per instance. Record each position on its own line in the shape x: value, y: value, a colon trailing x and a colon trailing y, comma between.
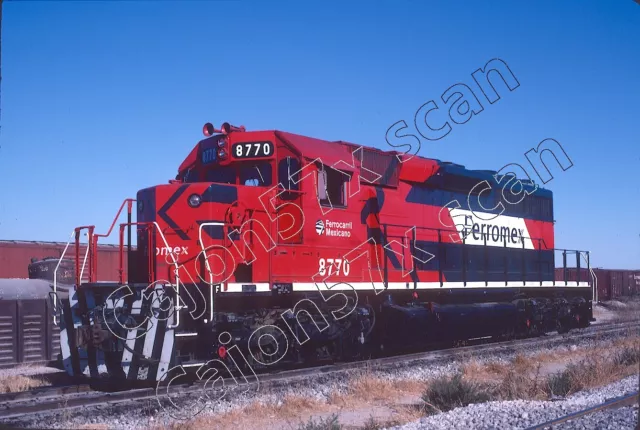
x: 271, y: 250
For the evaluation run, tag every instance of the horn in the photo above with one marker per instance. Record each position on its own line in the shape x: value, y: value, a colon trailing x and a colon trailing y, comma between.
x: 208, y: 129
x: 228, y: 128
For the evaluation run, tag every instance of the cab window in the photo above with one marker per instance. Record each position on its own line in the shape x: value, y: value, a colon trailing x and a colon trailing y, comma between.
x: 332, y: 186
x: 222, y: 175
x: 257, y: 175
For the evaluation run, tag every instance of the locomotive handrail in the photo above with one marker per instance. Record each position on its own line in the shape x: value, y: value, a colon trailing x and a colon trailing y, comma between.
x: 540, y: 241
x: 206, y: 262
x: 115, y: 219
x: 92, y: 243
x: 55, y: 280
x: 89, y: 252
x: 170, y: 252
x: 84, y: 262
x: 178, y: 307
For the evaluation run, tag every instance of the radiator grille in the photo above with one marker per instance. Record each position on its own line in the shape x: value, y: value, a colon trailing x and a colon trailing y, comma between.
x: 379, y: 168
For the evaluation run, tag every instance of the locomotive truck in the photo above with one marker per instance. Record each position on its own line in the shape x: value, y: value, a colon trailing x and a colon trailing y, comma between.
x: 271, y: 249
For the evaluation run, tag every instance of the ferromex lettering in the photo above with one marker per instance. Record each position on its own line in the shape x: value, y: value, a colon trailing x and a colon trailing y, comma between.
x: 499, y: 231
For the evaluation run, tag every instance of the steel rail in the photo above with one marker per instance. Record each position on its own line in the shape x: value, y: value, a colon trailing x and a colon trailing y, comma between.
x: 628, y: 400
x: 43, y: 392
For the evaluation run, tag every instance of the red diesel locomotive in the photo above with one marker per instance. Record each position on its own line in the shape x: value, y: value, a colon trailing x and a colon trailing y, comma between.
x: 272, y: 249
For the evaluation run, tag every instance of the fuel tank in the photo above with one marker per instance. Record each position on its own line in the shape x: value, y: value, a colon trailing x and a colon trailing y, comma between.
x: 421, y: 322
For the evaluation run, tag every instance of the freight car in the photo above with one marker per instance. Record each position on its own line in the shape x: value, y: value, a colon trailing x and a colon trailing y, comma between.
x: 610, y: 284
x: 26, y: 310
x: 271, y: 249
x: 26, y: 329
x: 16, y: 255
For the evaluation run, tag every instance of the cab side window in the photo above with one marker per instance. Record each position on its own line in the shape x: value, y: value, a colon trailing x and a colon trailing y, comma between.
x: 332, y: 187
x: 289, y: 177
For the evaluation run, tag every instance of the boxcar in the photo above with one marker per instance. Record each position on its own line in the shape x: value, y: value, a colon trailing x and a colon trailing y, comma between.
x: 611, y: 283
x: 16, y: 255
x: 26, y: 312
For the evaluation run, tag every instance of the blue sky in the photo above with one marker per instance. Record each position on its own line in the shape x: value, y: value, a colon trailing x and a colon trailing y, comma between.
x: 100, y: 99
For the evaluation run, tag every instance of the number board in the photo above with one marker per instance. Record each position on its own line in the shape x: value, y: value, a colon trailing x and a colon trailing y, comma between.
x: 209, y: 156
x: 252, y: 150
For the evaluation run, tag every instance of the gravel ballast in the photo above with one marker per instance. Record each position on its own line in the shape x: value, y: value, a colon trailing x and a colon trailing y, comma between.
x: 521, y: 414
x: 623, y: 418
x: 147, y: 413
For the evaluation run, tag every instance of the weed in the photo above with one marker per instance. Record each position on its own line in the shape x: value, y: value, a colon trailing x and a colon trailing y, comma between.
x: 560, y: 384
x: 373, y: 424
x: 593, y: 371
x: 16, y: 383
x: 519, y: 384
x: 628, y: 356
x: 329, y: 423
x: 446, y: 393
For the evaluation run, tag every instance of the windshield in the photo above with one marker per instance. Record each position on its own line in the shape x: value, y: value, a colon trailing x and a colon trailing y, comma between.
x: 223, y: 175
x: 258, y: 175
x: 254, y: 175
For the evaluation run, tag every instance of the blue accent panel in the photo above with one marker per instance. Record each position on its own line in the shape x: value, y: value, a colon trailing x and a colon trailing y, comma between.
x: 531, y: 207
x: 391, y: 169
x: 420, y: 249
x: 216, y: 232
x: 536, y: 263
x: 375, y: 233
x: 208, y: 149
x: 213, y: 231
x: 218, y: 193
x: 208, y: 156
x: 146, y: 198
x: 453, y: 182
x: 162, y: 213
x: 370, y: 207
x: 373, y: 205
x: 380, y: 196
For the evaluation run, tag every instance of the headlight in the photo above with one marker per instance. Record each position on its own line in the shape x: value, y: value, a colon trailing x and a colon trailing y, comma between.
x: 222, y: 153
x: 194, y: 200
x: 222, y: 143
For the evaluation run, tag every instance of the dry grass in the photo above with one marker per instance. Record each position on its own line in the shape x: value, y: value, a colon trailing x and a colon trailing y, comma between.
x: 595, y: 370
x: 257, y: 415
x: 16, y: 383
x: 623, y: 308
x: 370, y: 388
x: 524, y: 377
x: 362, y: 392
x: 402, y: 401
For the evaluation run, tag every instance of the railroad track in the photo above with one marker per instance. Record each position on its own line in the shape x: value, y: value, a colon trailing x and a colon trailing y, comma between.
x: 18, y: 406
x: 628, y: 400
x: 43, y: 393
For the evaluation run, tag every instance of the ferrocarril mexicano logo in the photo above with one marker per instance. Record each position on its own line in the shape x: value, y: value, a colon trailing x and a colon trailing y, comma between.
x: 334, y: 228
